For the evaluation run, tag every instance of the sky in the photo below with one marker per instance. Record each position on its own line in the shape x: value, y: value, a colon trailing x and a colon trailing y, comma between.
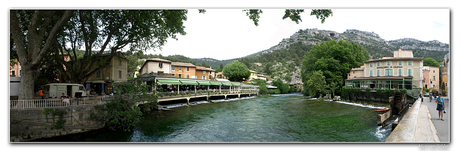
x: 228, y: 33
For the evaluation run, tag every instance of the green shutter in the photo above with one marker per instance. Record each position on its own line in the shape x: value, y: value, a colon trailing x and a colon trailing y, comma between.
x: 378, y: 72
x: 409, y: 72
x: 400, y: 72
x: 371, y: 73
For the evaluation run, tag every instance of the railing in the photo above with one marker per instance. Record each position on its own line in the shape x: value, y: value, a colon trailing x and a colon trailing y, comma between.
x: 47, y: 103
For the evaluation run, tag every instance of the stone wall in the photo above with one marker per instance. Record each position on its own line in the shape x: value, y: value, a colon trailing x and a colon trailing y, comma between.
x: 30, y: 124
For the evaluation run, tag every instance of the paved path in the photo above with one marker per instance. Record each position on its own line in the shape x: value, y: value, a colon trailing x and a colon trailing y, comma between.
x: 442, y: 127
x: 417, y: 125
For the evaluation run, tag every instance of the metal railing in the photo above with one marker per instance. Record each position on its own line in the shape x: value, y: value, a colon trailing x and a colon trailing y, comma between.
x: 47, y: 103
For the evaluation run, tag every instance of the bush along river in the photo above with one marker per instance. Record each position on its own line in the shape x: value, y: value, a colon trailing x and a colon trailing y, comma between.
x: 279, y: 118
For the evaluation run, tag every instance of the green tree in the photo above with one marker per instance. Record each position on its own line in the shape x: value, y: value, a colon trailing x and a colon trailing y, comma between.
x: 430, y: 62
x: 121, y: 112
x: 33, y: 33
x: 236, y: 71
x: 334, y: 60
x: 316, y: 84
x: 221, y: 66
x: 104, y: 33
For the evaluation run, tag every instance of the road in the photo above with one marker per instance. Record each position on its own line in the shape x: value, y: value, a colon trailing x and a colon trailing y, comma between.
x: 442, y: 127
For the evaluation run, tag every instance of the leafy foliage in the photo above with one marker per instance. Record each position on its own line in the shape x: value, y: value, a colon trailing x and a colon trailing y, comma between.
x: 236, y: 71
x: 316, y: 84
x: 334, y: 60
x: 430, y: 62
x: 121, y: 112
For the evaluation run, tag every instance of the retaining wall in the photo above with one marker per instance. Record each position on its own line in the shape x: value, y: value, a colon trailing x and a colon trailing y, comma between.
x: 30, y: 124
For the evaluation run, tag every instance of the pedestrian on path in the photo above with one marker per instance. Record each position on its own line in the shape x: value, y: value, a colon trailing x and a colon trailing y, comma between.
x: 430, y: 96
x: 440, y: 107
x: 421, y: 96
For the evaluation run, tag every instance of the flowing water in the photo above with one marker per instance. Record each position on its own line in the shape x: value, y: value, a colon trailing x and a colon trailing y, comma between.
x: 280, y: 118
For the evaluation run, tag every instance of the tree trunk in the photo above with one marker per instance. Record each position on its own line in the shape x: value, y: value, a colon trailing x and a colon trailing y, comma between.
x: 26, y: 91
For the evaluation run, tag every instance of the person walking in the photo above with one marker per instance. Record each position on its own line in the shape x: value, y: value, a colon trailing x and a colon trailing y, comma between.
x: 440, y: 107
x: 421, y: 96
x: 430, y: 96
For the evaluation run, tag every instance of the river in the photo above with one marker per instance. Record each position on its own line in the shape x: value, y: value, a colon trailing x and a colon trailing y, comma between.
x: 279, y: 118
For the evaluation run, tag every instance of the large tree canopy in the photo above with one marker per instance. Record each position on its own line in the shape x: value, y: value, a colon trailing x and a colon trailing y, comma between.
x: 236, y: 71
x: 430, y: 62
x: 103, y: 33
x: 334, y: 59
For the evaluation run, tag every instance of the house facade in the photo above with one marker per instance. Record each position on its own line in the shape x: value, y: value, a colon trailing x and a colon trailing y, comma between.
x: 155, y: 65
x: 115, y: 72
x: 183, y: 70
x: 431, y: 77
x: 204, y: 73
x: 253, y: 75
x: 402, y: 71
x: 15, y: 71
x: 356, y: 72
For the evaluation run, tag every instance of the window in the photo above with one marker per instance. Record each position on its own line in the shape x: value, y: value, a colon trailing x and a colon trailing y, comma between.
x: 371, y: 73
x: 400, y: 72
x: 409, y: 72
x: 388, y: 72
x: 119, y: 62
x: 80, y: 87
x: 119, y: 74
x: 98, y: 74
x: 173, y: 74
x: 204, y: 72
x: 434, y: 71
x: 378, y: 72
x: 204, y: 77
x: 13, y: 73
x: 434, y: 78
x: 409, y: 63
x: 180, y: 75
x: 400, y: 63
x: 371, y: 64
x: 378, y: 63
x: 188, y: 69
x: 173, y: 68
x: 180, y: 68
x: 388, y: 62
x: 160, y: 65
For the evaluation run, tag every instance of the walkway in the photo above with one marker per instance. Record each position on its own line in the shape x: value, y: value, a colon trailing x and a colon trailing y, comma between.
x: 442, y: 127
x: 417, y: 125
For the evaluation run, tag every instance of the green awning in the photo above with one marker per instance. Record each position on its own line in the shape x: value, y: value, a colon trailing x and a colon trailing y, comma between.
x: 227, y: 84
x: 204, y: 82
x: 188, y: 82
x: 165, y: 81
x: 215, y: 83
x: 236, y: 84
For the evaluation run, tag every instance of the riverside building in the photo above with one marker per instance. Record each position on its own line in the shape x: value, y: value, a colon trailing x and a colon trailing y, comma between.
x: 402, y: 71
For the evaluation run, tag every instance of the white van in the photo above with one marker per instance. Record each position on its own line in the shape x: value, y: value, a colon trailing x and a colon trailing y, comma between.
x: 55, y: 90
